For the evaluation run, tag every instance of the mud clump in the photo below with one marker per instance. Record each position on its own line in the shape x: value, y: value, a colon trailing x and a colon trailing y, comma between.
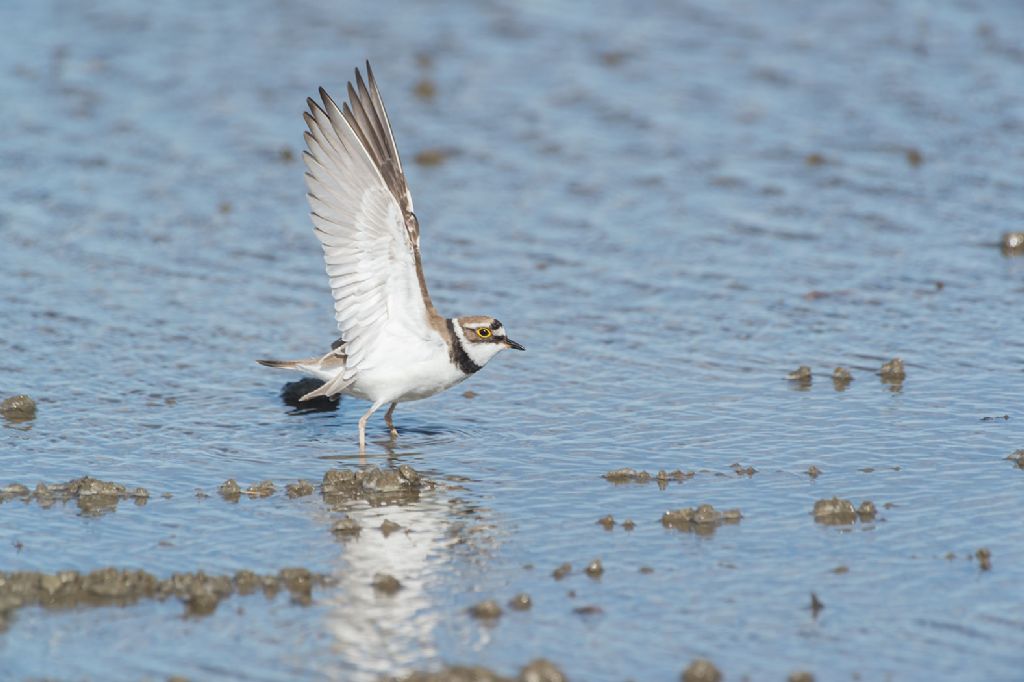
x: 18, y: 408
x: 562, y: 571
x: 378, y: 487
x: 816, y: 605
x: 300, y: 488
x: 701, y: 670
x: 626, y: 476
x: 1012, y: 244
x: 199, y: 593
x: 867, y: 511
x: 840, y: 512
x: 1017, y: 458
x: 486, y: 610
x: 662, y: 478
x: 984, y: 557
x: 520, y: 602
x: 540, y: 670
x: 893, y: 373
x: 386, y: 584
x: 388, y: 527
x: 741, y: 470
x: 703, y: 520
x: 841, y: 378
x: 594, y: 569
x: 230, y: 490
x: 801, y: 377
x: 93, y: 496
x: 261, y: 489
x: 346, y: 528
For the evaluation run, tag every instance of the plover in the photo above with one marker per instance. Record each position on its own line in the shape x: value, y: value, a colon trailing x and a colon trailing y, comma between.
x: 394, y: 346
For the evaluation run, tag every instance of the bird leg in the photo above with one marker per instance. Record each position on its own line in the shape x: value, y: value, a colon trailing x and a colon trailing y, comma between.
x: 391, y: 424
x: 362, y: 424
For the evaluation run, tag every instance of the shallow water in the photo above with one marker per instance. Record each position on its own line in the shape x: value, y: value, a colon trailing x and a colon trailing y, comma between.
x: 671, y: 209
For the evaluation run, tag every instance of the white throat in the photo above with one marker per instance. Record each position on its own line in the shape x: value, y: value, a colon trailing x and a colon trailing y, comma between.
x: 479, y: 352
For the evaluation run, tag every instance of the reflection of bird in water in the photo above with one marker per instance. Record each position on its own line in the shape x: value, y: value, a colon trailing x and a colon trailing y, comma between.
x: 395, y: 347
x: 382, y: 634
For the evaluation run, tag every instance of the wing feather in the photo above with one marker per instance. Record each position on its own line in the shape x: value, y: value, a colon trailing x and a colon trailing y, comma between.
x: 361, y: 211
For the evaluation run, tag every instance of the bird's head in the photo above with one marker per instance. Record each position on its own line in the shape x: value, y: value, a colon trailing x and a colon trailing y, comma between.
x: 483, y: 337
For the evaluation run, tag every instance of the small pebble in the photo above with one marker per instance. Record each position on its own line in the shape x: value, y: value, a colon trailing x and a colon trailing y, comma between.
x: 607, y: 521
x: 628, y: 524
x: 800, y: 676
x: 595, y: 569
x: 562, y: 571
x: 520, y: 602
x: 388, y: 527
x: 813, y: 471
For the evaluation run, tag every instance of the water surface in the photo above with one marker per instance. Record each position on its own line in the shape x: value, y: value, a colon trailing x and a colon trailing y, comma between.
x: 672, y: 206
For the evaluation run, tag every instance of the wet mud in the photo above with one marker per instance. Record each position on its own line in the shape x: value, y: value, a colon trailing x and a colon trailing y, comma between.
x: 340, y: 487
x: 662, y: 478
x: 840, y: 512
x: 93, y: 496
x: 374, y: 485
x: 703, y: 520
x: 539, y: 670
x: 198, y: 592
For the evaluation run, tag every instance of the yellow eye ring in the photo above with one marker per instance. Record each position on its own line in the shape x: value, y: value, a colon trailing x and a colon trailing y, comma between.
x: 483, y: 333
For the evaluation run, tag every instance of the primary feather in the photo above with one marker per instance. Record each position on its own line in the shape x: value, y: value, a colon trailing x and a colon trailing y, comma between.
x: 362, y: 214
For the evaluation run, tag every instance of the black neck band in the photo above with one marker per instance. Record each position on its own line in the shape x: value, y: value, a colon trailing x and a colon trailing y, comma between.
x: 458, y: 353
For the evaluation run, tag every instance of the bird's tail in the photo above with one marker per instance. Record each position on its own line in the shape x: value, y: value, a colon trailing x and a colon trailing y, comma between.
x: 289, y: 364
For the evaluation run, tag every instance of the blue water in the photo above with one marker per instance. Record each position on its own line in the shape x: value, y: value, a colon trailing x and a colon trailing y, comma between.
x: 672, y: 206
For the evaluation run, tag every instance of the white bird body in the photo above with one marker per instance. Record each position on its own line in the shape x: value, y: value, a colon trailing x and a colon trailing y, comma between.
x: 395, y: 347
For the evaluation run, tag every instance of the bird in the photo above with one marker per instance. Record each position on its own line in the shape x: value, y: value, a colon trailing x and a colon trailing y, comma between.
x: 394, y: 345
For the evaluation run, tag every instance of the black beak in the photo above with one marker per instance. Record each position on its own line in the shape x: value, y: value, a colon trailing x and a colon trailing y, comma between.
x: 513, y: 344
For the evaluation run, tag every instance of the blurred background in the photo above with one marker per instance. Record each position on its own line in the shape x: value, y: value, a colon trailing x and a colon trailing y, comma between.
x: 672, y: 205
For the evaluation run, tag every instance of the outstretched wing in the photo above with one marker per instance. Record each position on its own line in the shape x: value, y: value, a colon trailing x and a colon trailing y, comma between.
x: 362, y: 213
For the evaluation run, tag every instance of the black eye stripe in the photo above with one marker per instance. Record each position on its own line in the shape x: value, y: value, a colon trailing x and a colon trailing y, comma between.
x: 496, y: 325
